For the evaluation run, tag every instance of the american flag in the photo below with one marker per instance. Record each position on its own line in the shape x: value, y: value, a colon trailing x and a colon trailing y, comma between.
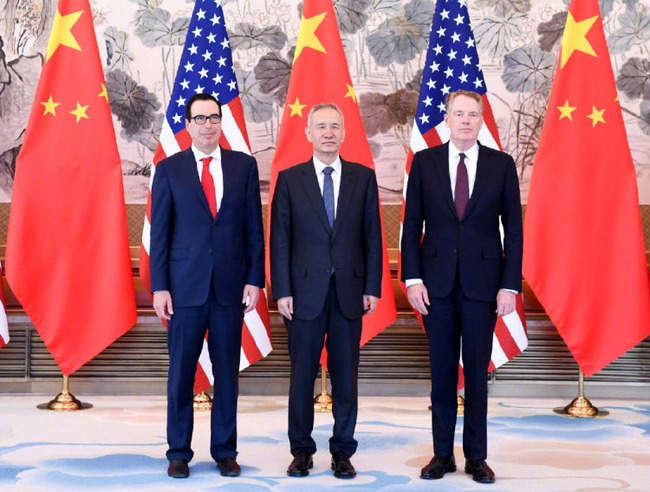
x: 4, y: 326
x: 452, y: 63
x: 206, y: 67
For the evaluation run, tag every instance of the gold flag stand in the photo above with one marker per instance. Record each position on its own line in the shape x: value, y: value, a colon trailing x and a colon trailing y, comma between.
x: 580, y: 407
x: 323, y: 402
x: 202, y: 402
x: 64, y: 401
x: 460, y: 401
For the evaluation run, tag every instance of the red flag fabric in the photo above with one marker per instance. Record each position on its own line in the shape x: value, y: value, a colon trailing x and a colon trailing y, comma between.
x: 4, y: 326
x: 584, y: 254
x: 320, y: 74
x: 68, y: 260
x: 444, y: 56
x: 200, y: 72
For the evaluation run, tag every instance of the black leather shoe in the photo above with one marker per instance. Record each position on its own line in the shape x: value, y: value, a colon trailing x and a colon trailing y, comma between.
x: 437, y: 468
x: 178, y: 469
x: 480, y: 471
x: 342, y: 466
x: 300, y: 465
x: 228, y: 467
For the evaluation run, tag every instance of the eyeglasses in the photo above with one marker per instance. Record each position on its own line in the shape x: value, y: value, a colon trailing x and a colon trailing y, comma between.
x: 200, y: 119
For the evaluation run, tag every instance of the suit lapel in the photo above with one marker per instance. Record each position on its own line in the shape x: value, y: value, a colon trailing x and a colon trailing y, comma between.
x: 312, y: 190
x: 348, y: 178
x: 444, y: 181
x: 228, y: 169
x: 195, y: 180
x: 483, y: 169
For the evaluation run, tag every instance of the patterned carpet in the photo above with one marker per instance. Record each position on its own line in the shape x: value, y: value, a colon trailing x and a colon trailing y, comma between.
x: 120, y: 445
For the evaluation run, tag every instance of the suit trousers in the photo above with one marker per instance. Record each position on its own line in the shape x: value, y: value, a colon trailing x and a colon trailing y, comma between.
x: 451, y: 319
x: 186, y: 334
x: 305, y: 341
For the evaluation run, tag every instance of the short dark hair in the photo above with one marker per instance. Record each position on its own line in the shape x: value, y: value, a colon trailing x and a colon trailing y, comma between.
x: 199, y: 97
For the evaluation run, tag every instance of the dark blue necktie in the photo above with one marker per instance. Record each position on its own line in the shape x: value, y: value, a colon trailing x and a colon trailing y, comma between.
x: 328, y: 195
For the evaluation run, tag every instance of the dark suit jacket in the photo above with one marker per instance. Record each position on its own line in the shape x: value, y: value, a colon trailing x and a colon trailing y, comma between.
x: 473, y: 245
x: 304, y: 248
x: 189, y: 247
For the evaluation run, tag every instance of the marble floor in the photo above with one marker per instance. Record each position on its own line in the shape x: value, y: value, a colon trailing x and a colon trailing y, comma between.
x: 120, y: 444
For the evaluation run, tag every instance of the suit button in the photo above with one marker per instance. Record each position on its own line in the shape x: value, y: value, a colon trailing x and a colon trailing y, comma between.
x: 211, y: 251
x: 460, y: 226
x: 455, y: 251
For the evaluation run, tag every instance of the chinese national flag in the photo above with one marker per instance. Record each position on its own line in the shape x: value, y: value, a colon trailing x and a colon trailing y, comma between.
x: 68, y: 260
x: 584, y: 253
x: 320, y: 74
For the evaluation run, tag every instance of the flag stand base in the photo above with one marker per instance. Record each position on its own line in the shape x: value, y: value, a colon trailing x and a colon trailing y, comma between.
x: 461, y: 404
x: 581, y: 407
x: 323, y: 402
x: 202, y: 402
x: 64, y: 401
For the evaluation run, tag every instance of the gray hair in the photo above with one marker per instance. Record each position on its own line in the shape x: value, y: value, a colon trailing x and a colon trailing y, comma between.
x: 318, y: 107
x: 472, y: 95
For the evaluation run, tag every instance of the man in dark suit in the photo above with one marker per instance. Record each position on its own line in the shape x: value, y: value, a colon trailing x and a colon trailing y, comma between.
x: 458, y: 276
x: 326, y: 267
x: 207, y: 268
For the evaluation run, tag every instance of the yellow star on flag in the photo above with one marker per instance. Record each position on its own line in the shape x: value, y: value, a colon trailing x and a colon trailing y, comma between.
x: 307, y: 36
x: 104, y: 92
x: 351, y: 93
x: 575, y: 38
x: 566, y: 110
x: 296, y: 108
x: 80, y: 112
x: 50, y: 106
x: 61, y: 34
x: 596, y: 116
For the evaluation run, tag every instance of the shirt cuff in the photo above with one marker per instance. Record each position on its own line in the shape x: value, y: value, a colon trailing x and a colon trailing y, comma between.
x: 412, y: 281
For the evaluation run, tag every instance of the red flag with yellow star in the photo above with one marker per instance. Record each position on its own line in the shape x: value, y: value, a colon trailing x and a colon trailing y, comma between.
x: 68, y: 260
x: 584, y: 254
x: 320, y: 74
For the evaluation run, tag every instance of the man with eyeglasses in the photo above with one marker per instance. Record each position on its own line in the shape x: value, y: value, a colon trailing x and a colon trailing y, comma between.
x: 207, y: 269
x: 458, y: 275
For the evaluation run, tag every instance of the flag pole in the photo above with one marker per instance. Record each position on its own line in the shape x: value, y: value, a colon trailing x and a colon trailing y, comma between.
x: 64, y: 401
x: 202, y: 402
x: 580, y: 407
x: 323, y: 401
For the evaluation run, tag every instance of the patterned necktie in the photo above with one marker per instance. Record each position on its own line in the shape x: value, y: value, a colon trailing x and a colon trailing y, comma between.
x: 208, y: 186
x: 328, y: 195
x: 461, y: 192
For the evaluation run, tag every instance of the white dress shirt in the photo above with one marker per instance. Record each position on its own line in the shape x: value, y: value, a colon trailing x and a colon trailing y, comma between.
x: 336, y: 177
x: 471, y: 160
x: 215, y: 170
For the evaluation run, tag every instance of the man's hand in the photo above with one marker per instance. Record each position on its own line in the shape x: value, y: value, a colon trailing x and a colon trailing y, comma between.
x: 162, y: 303
x: 506, y: 302
x: 369, y: 303
x: 250, y: 297
x: 418, y: 297
x: 285, y: 306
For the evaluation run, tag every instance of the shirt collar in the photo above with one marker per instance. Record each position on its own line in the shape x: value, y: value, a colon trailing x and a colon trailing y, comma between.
x: 320, y: 165
x: 471, y: 153
x: 198, y: 155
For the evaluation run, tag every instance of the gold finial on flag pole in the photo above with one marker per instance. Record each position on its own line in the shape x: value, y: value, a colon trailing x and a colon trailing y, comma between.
x: 64, y: 401
x: 323, y: 401
x: 581, y: 407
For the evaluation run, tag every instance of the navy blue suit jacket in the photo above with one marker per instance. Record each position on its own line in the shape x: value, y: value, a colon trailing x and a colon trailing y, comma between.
x: 471, y: 246
x: 304, y: 247
x: 189, y: 247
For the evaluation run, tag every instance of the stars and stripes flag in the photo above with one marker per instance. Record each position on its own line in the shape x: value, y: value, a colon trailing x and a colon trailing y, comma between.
x: 451, y: 64
x: 4, y: 326
x: 206, y: 67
